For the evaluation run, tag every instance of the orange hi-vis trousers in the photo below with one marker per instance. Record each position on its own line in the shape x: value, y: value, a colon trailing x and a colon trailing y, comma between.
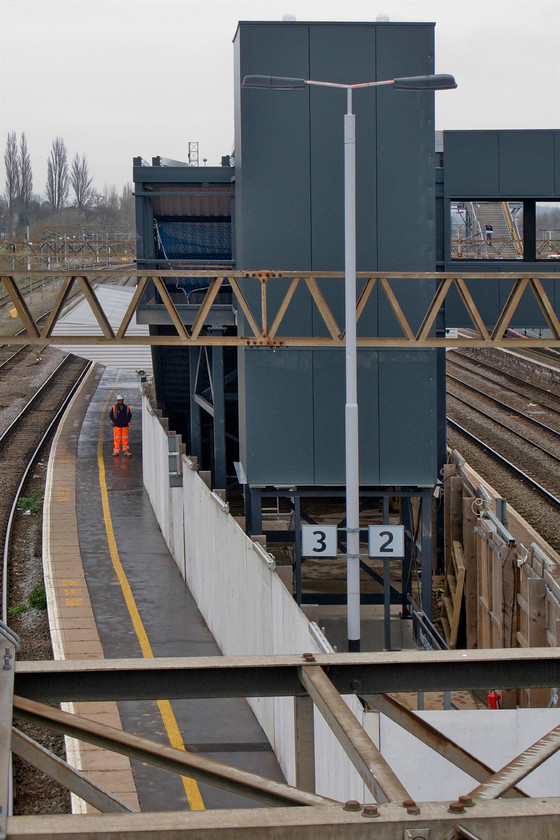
x: 120, y: 434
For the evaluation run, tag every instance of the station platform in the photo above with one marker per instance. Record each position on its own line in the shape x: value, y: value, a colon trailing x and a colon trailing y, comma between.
x: 114, y: 591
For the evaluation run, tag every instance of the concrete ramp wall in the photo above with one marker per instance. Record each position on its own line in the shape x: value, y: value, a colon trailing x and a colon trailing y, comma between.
x: 243, y: 601
x: 250, y: 611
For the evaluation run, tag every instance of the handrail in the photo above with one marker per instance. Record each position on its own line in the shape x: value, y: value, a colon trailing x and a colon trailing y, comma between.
x: 514, y: 233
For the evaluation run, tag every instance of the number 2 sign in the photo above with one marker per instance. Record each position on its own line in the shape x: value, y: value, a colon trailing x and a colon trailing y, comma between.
x: 318, y: 540
x: 386, y: 541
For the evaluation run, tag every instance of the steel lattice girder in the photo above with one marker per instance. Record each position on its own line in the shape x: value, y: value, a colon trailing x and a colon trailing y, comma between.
x: 264, y: 326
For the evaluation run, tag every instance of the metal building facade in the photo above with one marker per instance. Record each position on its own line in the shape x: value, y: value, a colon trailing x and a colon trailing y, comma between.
x: 501, y: 166
x: 289, y: 216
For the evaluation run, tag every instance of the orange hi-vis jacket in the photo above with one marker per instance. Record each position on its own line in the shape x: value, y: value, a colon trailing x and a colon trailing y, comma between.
x: 120, y: 415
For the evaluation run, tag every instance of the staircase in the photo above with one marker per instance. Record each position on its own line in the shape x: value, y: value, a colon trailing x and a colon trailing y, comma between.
x: 506, y: 240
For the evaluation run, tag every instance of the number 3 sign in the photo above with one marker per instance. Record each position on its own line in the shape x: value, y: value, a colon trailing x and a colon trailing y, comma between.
x: 386, y: 541
x: 318, y: 540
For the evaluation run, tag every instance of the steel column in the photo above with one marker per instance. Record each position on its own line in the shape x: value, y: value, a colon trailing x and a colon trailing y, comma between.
x: 194, y: 409
x: 426, y: 519
x: 305, y: 743
x: 219, y: 424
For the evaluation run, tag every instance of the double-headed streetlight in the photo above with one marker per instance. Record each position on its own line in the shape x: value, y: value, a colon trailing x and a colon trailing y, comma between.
x: 430, y: 82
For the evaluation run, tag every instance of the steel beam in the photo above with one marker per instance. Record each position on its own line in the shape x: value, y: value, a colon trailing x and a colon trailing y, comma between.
x: 170, y: 758
x: 382, y: 672
x: 67, y: 776
x: 512, y: 819
x: 433, y: 738
x: 376, y: 773
x: 516, y: 770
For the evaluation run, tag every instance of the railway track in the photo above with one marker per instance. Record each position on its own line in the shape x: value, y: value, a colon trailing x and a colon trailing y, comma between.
x: 8, y: 355
x: 548, y: 497
x: 22, y: 440
x: 477, y: 366
x: 507, y: 426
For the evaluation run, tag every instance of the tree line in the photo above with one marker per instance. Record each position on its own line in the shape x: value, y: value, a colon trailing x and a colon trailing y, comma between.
x: 71, y: 199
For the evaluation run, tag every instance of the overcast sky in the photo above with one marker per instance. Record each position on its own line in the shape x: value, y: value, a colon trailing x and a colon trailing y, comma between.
x: 121, y: 78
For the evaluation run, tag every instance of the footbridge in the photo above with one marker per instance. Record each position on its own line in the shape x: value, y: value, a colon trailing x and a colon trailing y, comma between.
x: 249, y: 307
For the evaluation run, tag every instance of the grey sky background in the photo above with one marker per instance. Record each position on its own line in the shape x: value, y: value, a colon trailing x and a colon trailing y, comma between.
x: 121, y: 78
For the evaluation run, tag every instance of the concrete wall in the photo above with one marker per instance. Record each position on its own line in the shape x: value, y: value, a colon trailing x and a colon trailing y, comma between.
x: 250, y: 611
x: 495, y: 737
x: 243, y: 601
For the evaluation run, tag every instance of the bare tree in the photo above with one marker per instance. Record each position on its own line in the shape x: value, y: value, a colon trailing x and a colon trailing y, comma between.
x: 25, y: 180
x: 127, y: 206
x: 81, y: 183
x: 12, y: 178
x: 57, y: 175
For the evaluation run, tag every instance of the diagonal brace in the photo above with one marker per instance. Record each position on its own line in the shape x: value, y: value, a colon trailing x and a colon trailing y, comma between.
x: 65, y: 775
x: 378, y: 776
x: 170, y: 758
x: 521, y: 766
x: 433, y: 738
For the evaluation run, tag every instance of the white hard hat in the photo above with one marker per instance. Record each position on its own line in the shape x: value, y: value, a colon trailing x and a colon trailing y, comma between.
x: 120, y: 397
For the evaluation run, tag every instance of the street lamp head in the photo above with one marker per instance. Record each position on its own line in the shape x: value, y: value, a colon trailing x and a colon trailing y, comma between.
x: 441, y: 81
x: 273, y: 82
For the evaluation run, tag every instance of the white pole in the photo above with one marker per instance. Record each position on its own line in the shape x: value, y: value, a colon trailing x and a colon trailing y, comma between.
x: 351, y: 408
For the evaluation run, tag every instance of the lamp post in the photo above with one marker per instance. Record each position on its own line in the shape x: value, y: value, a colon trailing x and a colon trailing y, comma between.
x: 429, y: 82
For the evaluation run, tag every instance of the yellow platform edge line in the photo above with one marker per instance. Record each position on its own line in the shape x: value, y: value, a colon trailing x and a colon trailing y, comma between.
x: 169, y: 721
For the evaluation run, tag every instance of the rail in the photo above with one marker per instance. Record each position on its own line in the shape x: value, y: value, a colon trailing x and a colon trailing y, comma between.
x: 30, y: 464
x: 260, y: 300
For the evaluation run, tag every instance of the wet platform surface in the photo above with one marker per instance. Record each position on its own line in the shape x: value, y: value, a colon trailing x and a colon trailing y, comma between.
x: 140, y: 606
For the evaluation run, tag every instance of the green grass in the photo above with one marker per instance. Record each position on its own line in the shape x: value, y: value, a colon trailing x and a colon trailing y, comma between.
x: 18, y: 609
x: 37, y: 598
x: 33, y: 503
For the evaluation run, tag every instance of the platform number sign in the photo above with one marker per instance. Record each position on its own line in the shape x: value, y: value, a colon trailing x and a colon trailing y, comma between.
x: 318, y: 541
x: 386, y: 541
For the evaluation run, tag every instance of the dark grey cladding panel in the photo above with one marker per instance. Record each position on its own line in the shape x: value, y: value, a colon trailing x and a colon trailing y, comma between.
x: 527, y: 163
x: 405, y: 151
x: 328, y: 416
x: 501, y: 164
x: 557, y: 162
x: 289, y: 215
x: 342, y: 54
x: 471, y: 164
x: 408, y: 385
x: 278, y: 392
x: 273, y: 154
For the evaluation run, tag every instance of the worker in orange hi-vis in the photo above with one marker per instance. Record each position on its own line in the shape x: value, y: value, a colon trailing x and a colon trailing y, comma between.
x: 121, y: 416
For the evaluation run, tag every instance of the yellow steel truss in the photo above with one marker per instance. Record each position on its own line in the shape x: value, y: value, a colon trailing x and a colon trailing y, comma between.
x: 261, y: 322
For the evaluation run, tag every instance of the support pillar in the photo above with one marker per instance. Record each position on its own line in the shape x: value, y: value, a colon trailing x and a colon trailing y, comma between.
x: 194, y: 409
x: 305, y: 744
x: 297, y: 548
x: 426, y: 519
x: 220, y: 467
